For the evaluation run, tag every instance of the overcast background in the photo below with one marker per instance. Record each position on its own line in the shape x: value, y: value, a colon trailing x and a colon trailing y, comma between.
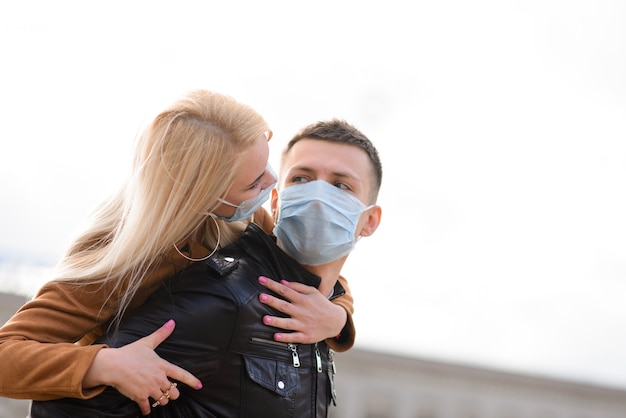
x: 501, y: 126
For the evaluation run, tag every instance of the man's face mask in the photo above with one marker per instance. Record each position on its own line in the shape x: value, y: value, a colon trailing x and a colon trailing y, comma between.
x: 246, y: 208
x: 317, y: 222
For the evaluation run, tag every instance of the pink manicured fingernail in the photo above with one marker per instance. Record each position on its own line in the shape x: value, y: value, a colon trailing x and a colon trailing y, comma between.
x: 199, y: 386
x: 278, y: 337
x: 267, y: 319
x: 263, y: 297
x: 262, y: 279
x: 169, y: 324
x: 284, y: 282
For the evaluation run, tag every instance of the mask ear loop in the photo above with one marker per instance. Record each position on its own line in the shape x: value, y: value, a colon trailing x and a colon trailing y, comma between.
x: 361, y: 236
x: 214, y: 249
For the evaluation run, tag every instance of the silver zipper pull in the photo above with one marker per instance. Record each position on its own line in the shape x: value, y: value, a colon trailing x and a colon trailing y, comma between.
x: 294, y: 354
x: 331, y: 355
x: 318, y: 359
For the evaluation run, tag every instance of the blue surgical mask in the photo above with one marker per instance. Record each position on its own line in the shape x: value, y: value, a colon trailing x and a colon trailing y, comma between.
x: 317, y: 222
x: 246, y: 208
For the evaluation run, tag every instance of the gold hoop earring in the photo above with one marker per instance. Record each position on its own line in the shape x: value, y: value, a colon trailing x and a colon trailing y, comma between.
x: 217, y: 226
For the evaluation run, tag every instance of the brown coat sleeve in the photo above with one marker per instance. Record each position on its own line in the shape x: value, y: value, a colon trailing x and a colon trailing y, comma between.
x: 345, y: 340
x: 43, y: 347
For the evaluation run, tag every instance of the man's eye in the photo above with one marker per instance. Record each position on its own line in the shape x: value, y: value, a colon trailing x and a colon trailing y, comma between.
x: 342, y: 186
x: 299, y: 179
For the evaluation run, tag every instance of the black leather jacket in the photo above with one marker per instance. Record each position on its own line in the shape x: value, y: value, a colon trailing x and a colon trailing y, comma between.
x: 221, y: 339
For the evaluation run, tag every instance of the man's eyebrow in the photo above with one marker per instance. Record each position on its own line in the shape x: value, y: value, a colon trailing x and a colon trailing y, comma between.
x: 343, y: 174
x: 340, y: 174
x: 304, y: 168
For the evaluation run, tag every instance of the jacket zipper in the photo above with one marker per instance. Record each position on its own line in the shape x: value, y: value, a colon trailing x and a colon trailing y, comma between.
x: 333, y: 388
x: 294, y: 354
x: 318, y: 359
x: 294, y: 348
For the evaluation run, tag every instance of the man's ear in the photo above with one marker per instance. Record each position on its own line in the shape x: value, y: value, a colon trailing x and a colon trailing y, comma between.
x: 274, y: 204
x: 372, y: 221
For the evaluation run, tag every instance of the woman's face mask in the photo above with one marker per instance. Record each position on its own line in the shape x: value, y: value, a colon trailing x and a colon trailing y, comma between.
x: 317, y: 222
x: 246, y: 208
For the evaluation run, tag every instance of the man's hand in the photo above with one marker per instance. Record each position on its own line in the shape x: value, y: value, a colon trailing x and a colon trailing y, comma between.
x: 138, y: 373
x: 312, y: 317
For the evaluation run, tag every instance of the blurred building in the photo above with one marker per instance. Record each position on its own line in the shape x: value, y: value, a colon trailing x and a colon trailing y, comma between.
x: 375, y: 385
x: 378, y: 385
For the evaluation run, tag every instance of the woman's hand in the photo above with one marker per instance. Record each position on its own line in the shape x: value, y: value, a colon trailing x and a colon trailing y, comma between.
x: 138, y: 373
x: 312, y: 317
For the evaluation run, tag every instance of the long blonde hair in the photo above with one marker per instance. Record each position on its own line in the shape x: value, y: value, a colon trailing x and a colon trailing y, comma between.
x: 184, y: 161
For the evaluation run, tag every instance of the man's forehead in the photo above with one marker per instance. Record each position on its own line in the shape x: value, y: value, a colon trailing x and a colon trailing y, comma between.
x: 313, y: 152
x: 333, y: 160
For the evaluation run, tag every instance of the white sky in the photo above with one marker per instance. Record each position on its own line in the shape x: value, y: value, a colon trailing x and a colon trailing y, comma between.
x: 501, y: 126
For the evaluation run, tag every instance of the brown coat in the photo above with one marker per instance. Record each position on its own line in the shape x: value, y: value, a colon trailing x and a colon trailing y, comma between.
x: 72, y: 317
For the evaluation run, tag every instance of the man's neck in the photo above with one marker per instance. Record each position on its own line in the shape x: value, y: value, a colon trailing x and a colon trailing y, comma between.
x: 329, y: 273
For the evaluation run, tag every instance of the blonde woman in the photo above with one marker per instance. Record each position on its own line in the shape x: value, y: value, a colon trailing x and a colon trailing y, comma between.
x: 197, y: 168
